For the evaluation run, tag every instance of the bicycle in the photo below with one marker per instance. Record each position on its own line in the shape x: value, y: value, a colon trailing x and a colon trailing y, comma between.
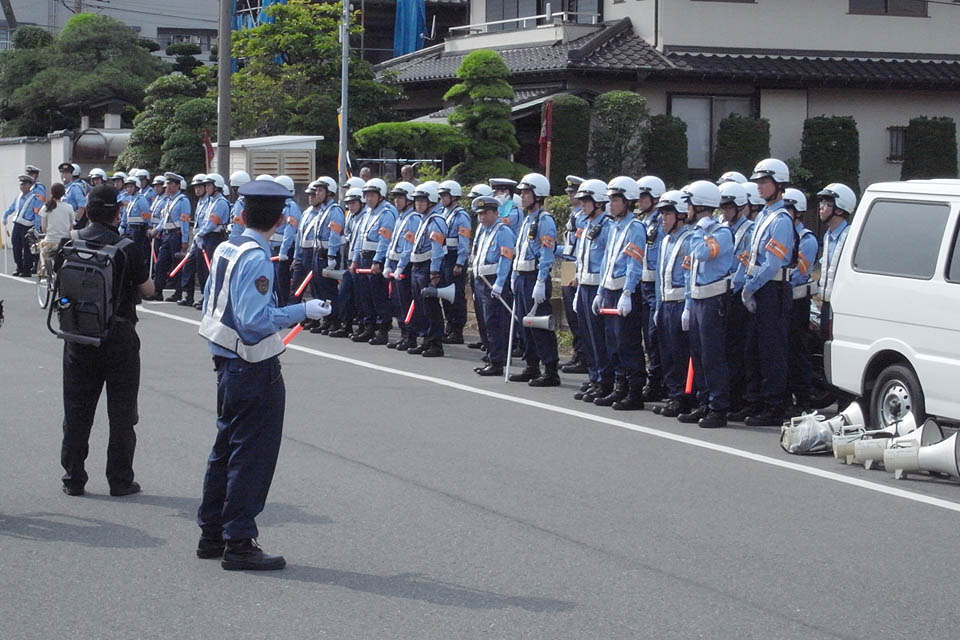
x: 46, y: 278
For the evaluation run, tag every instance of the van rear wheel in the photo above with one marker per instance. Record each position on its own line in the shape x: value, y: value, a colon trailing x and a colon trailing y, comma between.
x: 896, y: 393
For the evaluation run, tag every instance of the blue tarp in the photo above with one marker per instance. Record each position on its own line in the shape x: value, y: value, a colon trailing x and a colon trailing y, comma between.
x: 263, y: 9
x: 411, y: 23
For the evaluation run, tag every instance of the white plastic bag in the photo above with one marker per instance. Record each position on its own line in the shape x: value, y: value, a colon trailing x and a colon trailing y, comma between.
x: 805, y: 435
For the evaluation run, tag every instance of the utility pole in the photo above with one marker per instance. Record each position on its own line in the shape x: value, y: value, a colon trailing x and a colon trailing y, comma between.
x: 344, y: 76
x: 8, y: 15
x: 224, y: 64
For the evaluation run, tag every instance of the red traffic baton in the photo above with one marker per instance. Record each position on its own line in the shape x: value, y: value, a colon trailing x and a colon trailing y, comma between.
x: 609, y: 312
x: 275, y: 259
x: 303, y: 285
x: 206, y: 258
x: 409, y: 317
x: 689, y: 388
x: 364, y: 272
x: 177, y: 268
x: 293, y: 334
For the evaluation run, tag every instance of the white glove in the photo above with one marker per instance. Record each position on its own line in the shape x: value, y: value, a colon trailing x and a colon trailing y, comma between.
x: 496, y: 290
x: 576, y: 300
x: 748, y: 300
x: 331, y: 263
x: 317, y: 309
x: 595, y: 307
x: 539, y: 292
x: 388, y: 273
x: 685, y: 320
x: 282, y: 257
x: 513, y: 280
x: 625, y: 305
x: 653, y: 317
x: 704, y: 223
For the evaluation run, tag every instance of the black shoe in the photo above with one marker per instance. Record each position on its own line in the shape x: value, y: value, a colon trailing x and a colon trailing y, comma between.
x: 475, y: 345
x: 320, y: 329
x: 242, y: 555
x: 393, y: 344
x: 198, y: 306
x: 714, y: 420
x: 693, y: 417
x: 130, y: 489
x: 454, y: 337
x: 72, y: 490
x: 408, y: 343
x: 490, y: 370
x: 365, y: 335
x: 380, y: 338
x: 342, y: 332
x: 585, y: 385
x: 528, y: 374
x: 585, y: 388
x: 209, y: 548
x: 550, y: 378
x: 652, y: 393
x: 599, y: 390
x: 575, y: 367
x: 633, y: 401
x: 17, y: 274
x: 154, y: 298
x: 434, y: 349
x: 416, y: 350
x: 672, y: 409
x: 766, y: 418
x: 173, y: 298
x: 185, y: 302
x: 310, y: 324
x: 517, y: 352
x: 657, y: 409
x: 619, y: 393
x: 739, y: 415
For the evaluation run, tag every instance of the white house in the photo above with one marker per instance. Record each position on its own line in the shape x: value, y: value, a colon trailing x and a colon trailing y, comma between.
x: 881, y: 61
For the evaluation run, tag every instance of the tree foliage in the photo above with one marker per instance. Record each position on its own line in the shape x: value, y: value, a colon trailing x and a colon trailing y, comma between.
x: 616, y: 146
x: 571, y: 138
x: 930, y: 149
x: 411, y: 138
x: 741, y: 143
x: 182, y: 147
x: 94, y: 58
x: 830, y: 151
x: 482, y: 106
x: 185, y: 56
x: 665, y: 142
x: 476, y: 171
x: 289, y: 80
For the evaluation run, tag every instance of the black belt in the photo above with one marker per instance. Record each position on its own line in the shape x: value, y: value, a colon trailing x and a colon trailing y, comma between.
x: 527, y: 273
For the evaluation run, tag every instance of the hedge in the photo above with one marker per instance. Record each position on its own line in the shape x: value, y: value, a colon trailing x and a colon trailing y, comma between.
x: 830, y: 151
x: 571, y: 139
x: 930, y: 149
x: 616, y: 140
x: 407, y: 138
x: 741, y: 143
x: 665, y: 142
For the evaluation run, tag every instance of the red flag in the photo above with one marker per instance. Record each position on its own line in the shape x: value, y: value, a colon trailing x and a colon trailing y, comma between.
x: 546, y: 132
x: 208, y: 147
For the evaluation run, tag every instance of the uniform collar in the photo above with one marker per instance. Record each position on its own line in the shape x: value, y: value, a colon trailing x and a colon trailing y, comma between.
x: 252, y: 233
x: 835, y: 233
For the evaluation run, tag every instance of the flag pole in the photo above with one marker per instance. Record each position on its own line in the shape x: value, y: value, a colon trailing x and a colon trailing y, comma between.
x: 344, y: 76
x: 224, y: 64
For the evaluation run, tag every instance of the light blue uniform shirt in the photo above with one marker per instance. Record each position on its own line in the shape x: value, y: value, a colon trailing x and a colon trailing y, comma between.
x: 179, y: 214
x: 510, y: 215
x: 458, y: 227
x: 39, y: 189
x: 433, y: 237
x: 26, y: 206
x: 597, y: 247
x: 200, y: 214
x: 809, y: 247
x: 712, y: 248
x: 404, y: 233
x: 236, y: 218
x: 680, y: 274
x: 774, y: 247
x: 74, y: 195
x: 741, y: 251
x: 291, y: 222
x: 834, y: 235
x: 156, y: 210
x: 148, y: 192
x: 533, y: 248
x: 255, y: 315
x: 331, y: 231
x: 625, y: 249
x: 379, y: 224
x: 579, y: 219
x: 504, y: 239
x: 134, y: 211
x: 215, y: 216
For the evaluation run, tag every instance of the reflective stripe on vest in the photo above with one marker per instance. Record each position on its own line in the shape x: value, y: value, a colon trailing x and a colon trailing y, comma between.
x: 828, y: 275
x: 392, y: 253
x: 671, y: 293
x: 614, y: 249
x: 20, y: 219
x: 166, y: 224
x: 480, y: 266
x: 423, y: 255
x: 584, y: 276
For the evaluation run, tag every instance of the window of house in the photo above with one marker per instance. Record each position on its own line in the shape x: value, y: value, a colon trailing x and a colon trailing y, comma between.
x: 890, y: 226
x: 507, y: 9
x: 897, y: 136
x: 4, y: 39
x: 889, y: 7
x: 703, y: 114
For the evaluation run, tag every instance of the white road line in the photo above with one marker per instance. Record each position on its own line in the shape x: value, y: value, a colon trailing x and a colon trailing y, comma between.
x: 710, y: 446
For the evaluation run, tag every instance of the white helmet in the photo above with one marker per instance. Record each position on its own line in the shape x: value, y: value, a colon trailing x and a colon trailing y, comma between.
x: 353, y: 194
x: 264, y: 176
x: 795, y: 198
x: 843, y: 196
x: 143, y: 174
x: 403, y: 188
x: 327, y: 183
x: 674, y: 199
x: 732, y: 176
x: 376, y: 184
x: 355, y: 183
x: 479, y: 190
x: 651, y: 185
x: 311, y: 188
x: 702, y: 193
x: 536, y: 182
x: 429, y: 191
x: 451, y: 187
x: 624, y: 186
x: 134, y: 172
x: 594, y: 189
x: 734, y: 192
x: 287, y: 182
x: 772, y: 168
x: 217, y: 180
x: 98, y: 173
x: 131, y: 179
x: 159, y: 180
x: 753, y: 193
x: 239, y: 178
x: 198, y: 179
x: 118, y: 175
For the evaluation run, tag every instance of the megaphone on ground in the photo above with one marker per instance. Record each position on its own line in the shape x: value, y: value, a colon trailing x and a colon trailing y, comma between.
x: 444, y: 293
x: 870, y: 448
x: 850, y: 419
x: 333, y: 274
x: 923, y: 450
x: 547, y: 322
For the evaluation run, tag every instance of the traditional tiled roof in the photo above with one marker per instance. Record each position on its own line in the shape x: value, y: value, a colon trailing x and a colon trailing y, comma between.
x: 522, y: 96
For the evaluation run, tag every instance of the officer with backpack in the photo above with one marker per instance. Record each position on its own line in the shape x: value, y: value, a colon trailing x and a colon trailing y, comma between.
x: 101, y: 348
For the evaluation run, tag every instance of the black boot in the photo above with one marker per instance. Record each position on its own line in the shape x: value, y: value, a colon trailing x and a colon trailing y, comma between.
x: 599, y: 390
x: 365, y: 335
x: 416, y: 350
x: 652, y: 393
x: 531, y: 372
x: 693, y: 417
x: 672, y: 409
x: 741, y: 414
x: 574, y: 365
x: 619, y: 393
x: 633, y: 401
x: 210, y: 547
x: 490, y: 370
x: 550, y: 378
x: 475, y: 345
x: 769, y: 417
x: 342, y: 332
x: 585, y: 388
x: 714, y: 420
x: 408, y: 343
x: 434, y: 348
x: 185, y: 302
x: 247, y: 554
x: 381, y: 337
x: 454, y: 337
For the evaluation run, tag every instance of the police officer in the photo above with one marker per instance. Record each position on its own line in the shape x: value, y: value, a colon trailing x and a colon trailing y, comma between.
x: 137, y: 216
x: 800, y: 367
x: 767, y: 295
x: 735, y: 208
x: 213, y: 228
x: 237, y: 180
x: 732, y: 176
x: 115, y: 363
x: 429, y: 248
x: 173, y: 229
x: 285, y: 238
x: 345, y: 307
x: 25, y: 210
x: 651, y: 188
x: 590, y: 250
x: 376, y: 230
x: 98, y: 177
x: 329, y: 225
x: 455, y: 262
x: 38, y: 187
x: 241, y: 323
x: 622, y: 270
x: 673, y: 269
x: 574, y: 229
x: 304, y: 250
x: 503, y: 191
x: 477, y: 191
x: 74, y: 196
x: 757, y: 203
x: 533, y: 259
x: 147, y: 191
x: 837, y: 203
x: 188, y: 274
x: 493, y: 255
x: 401, y: 246
x: 708, y: 286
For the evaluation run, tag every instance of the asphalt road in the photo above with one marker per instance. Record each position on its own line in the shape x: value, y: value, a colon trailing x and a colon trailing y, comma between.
x: 415, y: 500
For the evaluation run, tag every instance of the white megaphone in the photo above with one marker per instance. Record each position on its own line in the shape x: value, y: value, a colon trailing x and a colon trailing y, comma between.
x: 445, y: 293
x: 870, y: 448
x: 923, y: 450
x: 850, y: 419
x: 547, y: 322
x: 333, y: 274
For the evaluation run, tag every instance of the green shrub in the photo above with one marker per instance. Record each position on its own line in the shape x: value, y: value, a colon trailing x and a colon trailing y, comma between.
x: 665, y: 142
x: 930, y: 149
x: 830, y: 151
x: 616, y: 139
x: 741, y: 143
x: 483, y: 110
x: 31, y: 37
x: 571, y: 139
x: 411, y: 138
x: 560, y: 207
x: 475, y: 171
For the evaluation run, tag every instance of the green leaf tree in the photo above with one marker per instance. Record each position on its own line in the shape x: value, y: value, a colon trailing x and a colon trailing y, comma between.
x: 617, y: 142
x: 182, y: 147
x: 830, y: 151
x: 482, y: 106
x: 411, y: 138
x: 185, y: 57
x: 930, y: 149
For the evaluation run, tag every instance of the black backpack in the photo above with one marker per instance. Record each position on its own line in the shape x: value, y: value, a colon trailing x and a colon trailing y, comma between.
x: 84, y: 291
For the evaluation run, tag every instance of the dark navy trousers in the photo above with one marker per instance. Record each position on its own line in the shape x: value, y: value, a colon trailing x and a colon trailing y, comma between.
x: 402, y: 297
x: 478, y: 312
x: 540, y: 345
x: 738, y: 319
x: 250, y: 405
x: 650, y: 333
x: 455, y: 312
x: 169, y: 246
x: 599, y: 365
x: 21, y: 248
x: 372, y: 295
x: 496, y: 319
x: 575, y: 322
x: 301, y: 267
x: 709, y: 352
x: 800, y: 365
x: 767, y: 344
x: 624, y: 338
x: 430, y: 306
x: 674, y: 348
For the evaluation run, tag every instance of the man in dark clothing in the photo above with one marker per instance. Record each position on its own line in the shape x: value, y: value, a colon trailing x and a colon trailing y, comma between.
x: 115, y: 362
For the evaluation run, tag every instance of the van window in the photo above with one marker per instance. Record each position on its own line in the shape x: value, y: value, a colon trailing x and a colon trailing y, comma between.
x: 901, y: 238
x: 953, y: 269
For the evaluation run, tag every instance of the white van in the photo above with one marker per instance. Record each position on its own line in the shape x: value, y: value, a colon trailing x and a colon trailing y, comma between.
x: 896, y: 303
